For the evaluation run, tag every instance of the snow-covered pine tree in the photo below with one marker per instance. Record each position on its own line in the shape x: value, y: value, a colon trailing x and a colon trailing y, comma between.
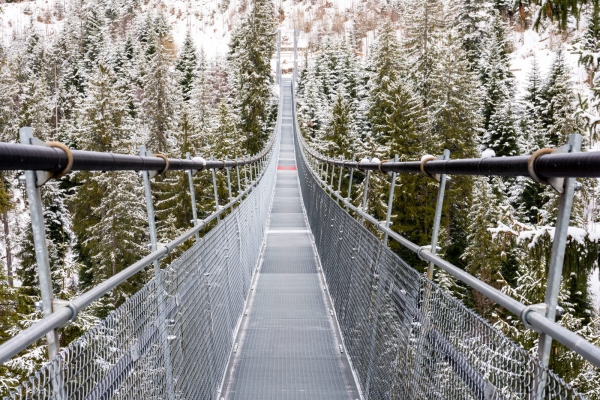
x: 471, y: 17
x: 35, y: 108
x: 559, y: 103
x: 588, y: 49
x: 499, y: 120
x: 187, y: 65
x: 482, y: 252
x: 250, y: 52
x: 453, y: 119
x: 533, y: 138
x: 159, y: 101
x: 111, y: 222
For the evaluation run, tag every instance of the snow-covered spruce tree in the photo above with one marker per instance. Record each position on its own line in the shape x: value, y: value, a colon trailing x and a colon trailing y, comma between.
x: 559, y: 110
x: 588, y: 49
x: 533, y: 138
x: 35, y: 109
x: 453, y: 119
x: 481, y: 254
x: 187, y: 65
x: 92, y: 36
x: 499, y: 119
x: 398, y: 122
x: 250, y: 52
x: 471, y: 18
x: 312, y: 108
x: 111, y: 224
x: 425, y: 23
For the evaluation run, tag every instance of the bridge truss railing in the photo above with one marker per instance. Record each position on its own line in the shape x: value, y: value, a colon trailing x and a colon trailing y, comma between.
x: 172, y: 339
x: 406, y: 337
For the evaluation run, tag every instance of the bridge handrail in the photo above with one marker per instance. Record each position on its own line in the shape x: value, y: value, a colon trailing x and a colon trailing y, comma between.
x: 564, y: 165
x: 26, y: 157
x: 15, y: 156
x: 536, y: 320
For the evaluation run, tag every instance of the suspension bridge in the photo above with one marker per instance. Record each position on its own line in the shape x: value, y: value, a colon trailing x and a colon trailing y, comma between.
x: 289, y: 296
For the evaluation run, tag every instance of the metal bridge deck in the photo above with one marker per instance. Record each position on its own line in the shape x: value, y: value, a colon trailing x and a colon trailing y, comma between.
x: 288, y: 345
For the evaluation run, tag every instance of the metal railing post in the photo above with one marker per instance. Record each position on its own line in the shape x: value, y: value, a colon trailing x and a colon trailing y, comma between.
x: 556, y: 265
x: 214, y: 179
x: 246, y: 174
x: 388, y: 215
x: 365, y: 194
x: 438, y: 215
x: 326, y: 175
x: 340, y: 177
x: 36, y: 212
x: 228, y: 180
x: 332, y: 176
x: 193, y: 197
x: 349, y: 197
x: 162, y: 320
x: 237, y: 169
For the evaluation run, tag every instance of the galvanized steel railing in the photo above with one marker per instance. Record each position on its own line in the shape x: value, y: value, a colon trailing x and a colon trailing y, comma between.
x: 103, y: 361
x: 437, y: 347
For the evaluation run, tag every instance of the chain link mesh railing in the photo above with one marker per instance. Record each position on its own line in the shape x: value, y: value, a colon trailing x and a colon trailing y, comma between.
x: 406, y: 337
x: 203, y: 294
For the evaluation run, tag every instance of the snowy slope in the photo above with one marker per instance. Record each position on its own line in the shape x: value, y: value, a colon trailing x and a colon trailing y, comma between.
x: 209, y: 24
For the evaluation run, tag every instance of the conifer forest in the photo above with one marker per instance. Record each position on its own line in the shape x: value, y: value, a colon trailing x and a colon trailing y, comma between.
x: 376, y: 79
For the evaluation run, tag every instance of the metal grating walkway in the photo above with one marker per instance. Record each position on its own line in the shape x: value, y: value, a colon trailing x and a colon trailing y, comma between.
x: 288, y: 344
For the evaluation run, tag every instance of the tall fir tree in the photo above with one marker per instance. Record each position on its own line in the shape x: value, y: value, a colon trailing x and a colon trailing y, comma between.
x: 251, y: 49
x: 499, y: 120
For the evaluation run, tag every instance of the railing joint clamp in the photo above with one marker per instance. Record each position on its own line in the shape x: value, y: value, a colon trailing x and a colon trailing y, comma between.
x: 556, y: 183
x: 541, y: 308
x: 424, y: 161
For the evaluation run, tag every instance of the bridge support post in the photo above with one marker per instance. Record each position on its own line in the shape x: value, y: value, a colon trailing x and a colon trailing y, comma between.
x: 36, y: 212
x: 438, y: 214
x: 349, y: 197
x: 332, y: 175
x: 556, y: 264
x: 237, y: 169
x: 193, y: 197
x: 366, y: 194
x: 214, y: 179
x: 388, y: 215
x: 228, y: 180
x: 162, y: 318
x: 339, y: 188
x: 326, y: 175
x: 246, y: 175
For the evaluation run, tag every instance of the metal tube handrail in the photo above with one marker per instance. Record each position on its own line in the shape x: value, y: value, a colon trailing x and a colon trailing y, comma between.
x: 570, y: 339
x: 52, y: 157
x: 63, y: 315
x: 565, y: 165
x: 538, y: 321
x: 15, y: 156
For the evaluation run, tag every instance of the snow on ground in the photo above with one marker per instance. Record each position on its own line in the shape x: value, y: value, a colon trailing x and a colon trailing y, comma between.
x: 210, y: 26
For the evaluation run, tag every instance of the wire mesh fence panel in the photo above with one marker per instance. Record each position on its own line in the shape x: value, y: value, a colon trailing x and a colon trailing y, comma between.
x: 181, y: 324
x: 406, y: 337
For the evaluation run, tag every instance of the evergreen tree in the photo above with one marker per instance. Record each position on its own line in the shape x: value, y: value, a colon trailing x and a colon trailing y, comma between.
x: 251, y: 49
x: 481, y: 254
x: 187, y: 65
x: 159, y: 103
x: 499, y: 130
x: 533, y: 138
x: 559, y: 115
